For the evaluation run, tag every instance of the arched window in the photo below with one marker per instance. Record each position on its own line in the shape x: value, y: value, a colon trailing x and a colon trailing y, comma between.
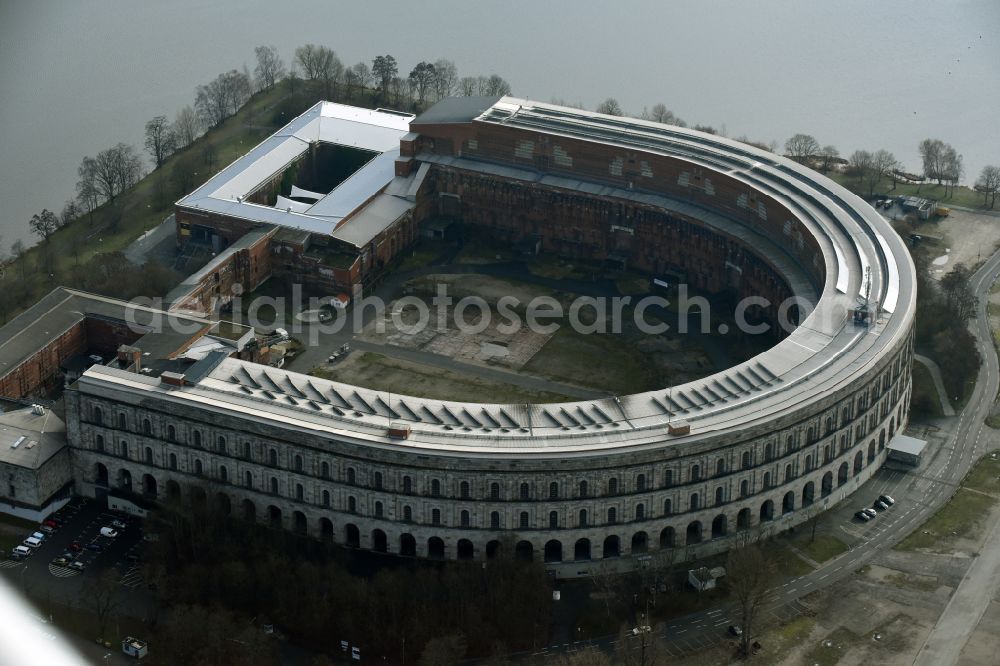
x: 695, y: 472
x: 248, y: 479
x: 436, y: 517
x: 198, y: 467
x: 583, y: 517
x: 378, y: 509
x: 668, y: 507
x: 668, y: 478
x: 612, y: 486
x: 124, y: 449
x: 99, y: 443
x: 197, y: 438
x: 788, y: 473
x: 583, y: 489
x: 435, y: 488
x: 720, y: 467
x: 463, y: 489
x: 640, y: 511
x: 525, y: 491
x: 300, y: 492
x: 693, y: 502
x: 171, y: 433
x: 768, y: 452
x: 173, y: 461
x: 378, y: 480
x: 326, y: 498
x: 220, y: 444
x: 247, y: 451
x: 298, y: 463
x: 408, y: 514
x: 640, y: 483
x: 612, y: 516
x: 746, y: 460
x: 495, y: 520
x: 744, y: 488
x: 352, y: 504
x: 121, y: 421
x: 553, y: 519
x: 274, y: 485
x: 464, y: 518
x: 324, y: 470
x: 148, y: 455
x: 767, y: 479
x: 272, y: 457
x: 494, y: 491
x: 352, y: 476
x: 523, y: 522
x: 554, y: 490
x: 223, y: 474
x: 407, y: 484
x: 98, y: 415
x: 719, y: 496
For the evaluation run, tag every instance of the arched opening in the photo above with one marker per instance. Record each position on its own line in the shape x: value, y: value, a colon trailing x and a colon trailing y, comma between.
x: 881, y: 441
x: 667, y: 538
x: 871, y: 452
x: 788, y: 503
x: 767, y: 511
x: 435, y: 548
x: 465, y: 550
x: 492, y: 549
x: 524, y: 551
x: 101, y: 475
x: 720, y: 526
x: 407, y: 545
x: 859, y: 461
x: 843, y: 472
x: 223, y: 503
x: 326, y: 529
x: 581, y: 550
x: 248, y: 510
x: 380, y: 543
x: 173, y: 490
x: 827, y: 486
x: 198, y: 496
x: 640, y: 542
x: 553, y: 551
x: 124, y: 479
x: 808, y: 493
x: 612, y: 546
x: 149, y: 486
x: 694, y: 532
x: 352, y: 535
x: 299, y: 523
x: 274, y: 516
x: 743, y: 519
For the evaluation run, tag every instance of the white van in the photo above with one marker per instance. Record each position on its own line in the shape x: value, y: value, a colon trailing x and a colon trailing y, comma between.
x: 20, y: 551
x: 32, y: 542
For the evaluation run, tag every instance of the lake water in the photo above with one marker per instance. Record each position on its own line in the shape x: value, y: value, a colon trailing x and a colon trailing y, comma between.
x: 78, y: 77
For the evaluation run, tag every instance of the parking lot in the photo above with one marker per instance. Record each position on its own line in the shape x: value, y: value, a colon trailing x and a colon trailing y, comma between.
x: 75, y: 546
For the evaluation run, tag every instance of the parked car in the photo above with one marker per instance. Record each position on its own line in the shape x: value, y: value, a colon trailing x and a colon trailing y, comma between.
x: 735, y: 630
x: 862, y: 516
x: 20, y: 552
x: 38, y: 535
x: 118, y: 524
x: 879, y: 505
x: 51, y: 522
x: 32, y: 542
x: 108, y: 532
x: 75, y: 547
x: 77, y: 565
x: 871, y: 512
x: 94, y: 546
x: 46, y: 529
x: 887, y: 499
x: 68, y: 554
x: 60, y: 561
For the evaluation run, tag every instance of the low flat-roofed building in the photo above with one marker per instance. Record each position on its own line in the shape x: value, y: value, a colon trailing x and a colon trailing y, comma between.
x: 906, y: 449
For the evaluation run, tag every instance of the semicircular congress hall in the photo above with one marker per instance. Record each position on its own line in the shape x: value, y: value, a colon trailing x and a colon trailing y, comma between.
x: 762, y: 445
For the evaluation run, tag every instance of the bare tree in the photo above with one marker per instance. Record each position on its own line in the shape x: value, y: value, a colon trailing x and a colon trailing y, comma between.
x: 71, y: 210
x: 642, y: 646
x: 421, y: 79
x: 827, y: 155
x: 611, y: 107
x: 952, y: 169
x: 320, y: 63
x: 385, y: 69
x: 467, y: 86
x: 750, y: 575
x: 362, y: 75
x: 44, y: 224
x: 860, y: 163
x: 661, y: 114
x: 19, y: 250
x: 211, y: 102
x: 270, y: 67
x: 160, y: 140
x: 443, y: 651
x: 187, y: 127
x: 496, y: 85
x: 113, y: 171
x: 802, y: 147
x: 882, y: 163
x: 445, y: 78
x: 932, y: 153
x: 989, y: 184
x: 102, y: 594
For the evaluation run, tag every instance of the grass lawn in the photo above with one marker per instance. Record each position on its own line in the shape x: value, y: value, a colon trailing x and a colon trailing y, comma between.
x: 420, y: 255
x: 984, y: 476
x: 786, y: 562
x: 960, y: 196
x: 822, y: 548
x: 958, y: 519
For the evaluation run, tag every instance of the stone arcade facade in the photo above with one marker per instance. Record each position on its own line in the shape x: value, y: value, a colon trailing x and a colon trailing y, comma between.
x: 569, y: 511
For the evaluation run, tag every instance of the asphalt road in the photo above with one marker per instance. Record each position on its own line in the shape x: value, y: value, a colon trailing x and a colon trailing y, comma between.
x: 918, y: 493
